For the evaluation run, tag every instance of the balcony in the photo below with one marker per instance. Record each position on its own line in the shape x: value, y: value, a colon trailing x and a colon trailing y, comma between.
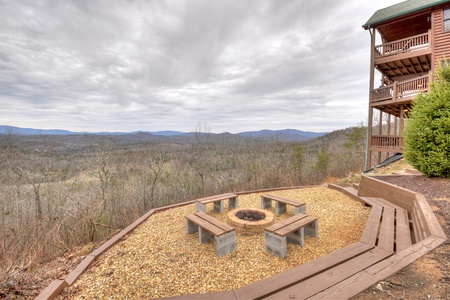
x: 411, y: 44
x: 399, y: 92
x: 383, y: 143
x: 403, y: 58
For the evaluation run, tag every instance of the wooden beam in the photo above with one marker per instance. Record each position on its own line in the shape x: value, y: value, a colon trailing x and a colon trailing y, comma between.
x: 397, y: 57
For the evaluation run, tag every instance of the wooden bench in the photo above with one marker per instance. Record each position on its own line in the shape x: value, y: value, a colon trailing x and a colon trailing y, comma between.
x: 312, y: 288
x: 387, y: 226
x: 291, y: 230
x: 280, y: 204
x: 280, y: 281
x: 218, y: 202
x: 209, y: 228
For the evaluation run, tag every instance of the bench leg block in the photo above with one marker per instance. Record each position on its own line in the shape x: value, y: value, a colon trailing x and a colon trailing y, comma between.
x: 204, y: 236
x: 280, y: 208
x: 233, y: 203
x: 225, y: 243
x: 297, y: 237
x: 191, y: 227
x: 200, y: 207
x: 218, y: 206
x: 312, y: 229
x: 265, y: 203
x: 275, y: 244
x: 300, y: 210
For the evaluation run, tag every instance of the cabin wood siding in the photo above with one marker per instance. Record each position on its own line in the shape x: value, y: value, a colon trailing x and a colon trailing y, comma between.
x: 441, y: 38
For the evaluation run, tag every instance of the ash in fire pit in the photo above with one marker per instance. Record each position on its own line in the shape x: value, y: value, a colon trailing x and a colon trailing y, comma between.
x: 250, y: 220
x: 250, y: 215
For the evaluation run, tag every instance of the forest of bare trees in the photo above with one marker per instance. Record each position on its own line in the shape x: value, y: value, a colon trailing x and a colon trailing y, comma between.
x: 60, y: 192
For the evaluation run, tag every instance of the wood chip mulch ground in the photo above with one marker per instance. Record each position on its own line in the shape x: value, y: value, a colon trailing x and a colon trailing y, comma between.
x: 160, y: 260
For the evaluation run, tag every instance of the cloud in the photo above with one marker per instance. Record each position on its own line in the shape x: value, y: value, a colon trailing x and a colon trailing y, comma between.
x: 157, y: 65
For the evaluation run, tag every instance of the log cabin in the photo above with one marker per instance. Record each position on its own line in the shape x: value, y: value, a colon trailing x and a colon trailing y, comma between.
x: 408, y: 41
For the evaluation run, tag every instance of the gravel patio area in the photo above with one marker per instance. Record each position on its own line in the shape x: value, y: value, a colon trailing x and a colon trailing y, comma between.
x: 160, y: 260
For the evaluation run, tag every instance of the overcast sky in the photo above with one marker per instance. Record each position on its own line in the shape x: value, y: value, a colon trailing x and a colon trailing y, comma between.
x: 230, y: 65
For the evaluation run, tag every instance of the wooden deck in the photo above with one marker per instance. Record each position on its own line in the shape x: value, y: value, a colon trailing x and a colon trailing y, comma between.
x: 401, y: 228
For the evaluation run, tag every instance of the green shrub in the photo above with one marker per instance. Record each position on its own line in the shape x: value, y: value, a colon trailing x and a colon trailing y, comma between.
x: 427, y: 132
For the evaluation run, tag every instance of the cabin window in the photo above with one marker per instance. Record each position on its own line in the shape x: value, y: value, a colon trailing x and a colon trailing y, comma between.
x: 447, y: 20
x: 445, y: 63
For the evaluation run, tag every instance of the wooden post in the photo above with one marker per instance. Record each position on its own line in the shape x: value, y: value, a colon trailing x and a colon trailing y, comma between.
x: 396, y: 129
x: 380, y: 133
x: 394, y: 91
x: 431, y: 41
x: 402, y: 124
x: 368, y: 158
x: 369, y: 138
x: 389, y: 125
x: 380, y: 124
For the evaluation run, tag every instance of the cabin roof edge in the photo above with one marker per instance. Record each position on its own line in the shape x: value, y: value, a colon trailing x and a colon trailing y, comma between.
x: 400, y: 9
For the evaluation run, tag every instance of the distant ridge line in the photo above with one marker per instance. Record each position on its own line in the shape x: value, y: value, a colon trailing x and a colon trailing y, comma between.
x: 284, y: 134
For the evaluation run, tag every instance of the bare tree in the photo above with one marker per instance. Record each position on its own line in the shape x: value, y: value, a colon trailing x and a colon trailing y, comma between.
x: 155, y: 161
x: 200, y: 151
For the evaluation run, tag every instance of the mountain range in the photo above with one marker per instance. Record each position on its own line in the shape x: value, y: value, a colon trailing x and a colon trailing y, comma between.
x: 284, y: 134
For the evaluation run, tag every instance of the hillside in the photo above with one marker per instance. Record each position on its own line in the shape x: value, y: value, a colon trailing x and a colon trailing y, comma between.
x: 284, y: 134
x: 426, y: 278
x: 61, y: 139
x: 62, y: 191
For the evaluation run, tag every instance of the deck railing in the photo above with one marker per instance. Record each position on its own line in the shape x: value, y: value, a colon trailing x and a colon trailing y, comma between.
x: 412, y: 86
x: 391, y: 142
x: 400, y: 90
x: 383, y: 93
x: 417, y: 42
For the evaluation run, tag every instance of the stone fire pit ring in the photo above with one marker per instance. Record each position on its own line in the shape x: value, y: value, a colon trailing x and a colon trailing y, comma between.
x: 247, y: 225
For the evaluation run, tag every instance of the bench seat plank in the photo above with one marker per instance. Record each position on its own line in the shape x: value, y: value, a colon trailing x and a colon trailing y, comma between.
x: 276, y: 226
x: 284, y: 200
x: 218, y: 201
x: 384, y: 202
x: 281, y: 204
x: 403, y: 233
x: 292, y: 230
x: 224, y: 226
x: 210, y: 228
x: 295, y: 226
x: 215, y: 198
x: 205, y: 224
x: 370, y: 233
x: 386, y: 235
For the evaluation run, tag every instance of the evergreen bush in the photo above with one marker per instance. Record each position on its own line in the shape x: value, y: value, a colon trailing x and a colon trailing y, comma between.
x: 427, y: 132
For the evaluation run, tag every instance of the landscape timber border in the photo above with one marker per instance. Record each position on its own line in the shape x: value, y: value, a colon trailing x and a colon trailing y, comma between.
x: 341, y: 274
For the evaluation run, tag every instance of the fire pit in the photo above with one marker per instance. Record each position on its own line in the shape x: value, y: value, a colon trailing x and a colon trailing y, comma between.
x: 249, y: 220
